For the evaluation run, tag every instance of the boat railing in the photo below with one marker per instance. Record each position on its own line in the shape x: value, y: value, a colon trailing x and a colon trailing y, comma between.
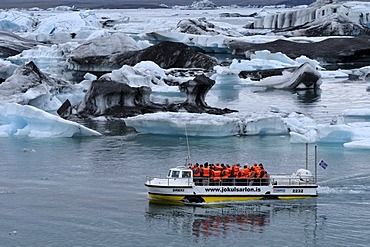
x: 164, y: 180
x: 231, y: 182
x: 202, y: 181
x: 287, y: 180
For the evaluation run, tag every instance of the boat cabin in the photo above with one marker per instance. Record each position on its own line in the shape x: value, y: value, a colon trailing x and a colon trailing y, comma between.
x: 180, y: 172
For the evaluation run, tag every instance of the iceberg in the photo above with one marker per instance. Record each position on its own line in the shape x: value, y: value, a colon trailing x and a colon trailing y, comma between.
x: 28, y: 121
x: 351, y: 135
x: 66, y: 26
x: 171, y: 123
x: 16, y: 21
x: 324, y: 14
x: 29, y: 86
x: 145, y: 73
x: 234, y: 124
x: 361, y: 144
x: 6, y: 69
x: 299, y: 127
x: 304, y: 77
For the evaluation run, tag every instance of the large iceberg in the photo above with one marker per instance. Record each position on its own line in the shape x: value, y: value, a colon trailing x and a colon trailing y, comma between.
x: 171, y: 123
x: 299, y: 127
x: 27, y: 121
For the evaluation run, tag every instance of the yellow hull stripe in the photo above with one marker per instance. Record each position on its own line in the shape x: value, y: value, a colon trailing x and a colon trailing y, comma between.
x: 230, y: 198
x: 211, y: 199
x: 166, y: 197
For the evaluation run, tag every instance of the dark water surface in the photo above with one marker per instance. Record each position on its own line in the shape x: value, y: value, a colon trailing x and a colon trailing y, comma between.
x: 90, y: 192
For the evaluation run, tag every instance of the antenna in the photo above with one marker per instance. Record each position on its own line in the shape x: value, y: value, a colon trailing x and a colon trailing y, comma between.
x: 187, y: 144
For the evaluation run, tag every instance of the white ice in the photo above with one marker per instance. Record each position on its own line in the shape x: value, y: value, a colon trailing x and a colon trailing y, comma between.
x: 301, y: 128
x: 27, y: 121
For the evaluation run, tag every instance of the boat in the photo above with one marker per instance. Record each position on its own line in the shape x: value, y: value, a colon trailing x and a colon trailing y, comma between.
x: 180, y: 185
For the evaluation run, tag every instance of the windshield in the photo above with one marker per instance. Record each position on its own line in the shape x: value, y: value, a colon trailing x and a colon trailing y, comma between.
x: 175, y: 174
x: 186, y: 174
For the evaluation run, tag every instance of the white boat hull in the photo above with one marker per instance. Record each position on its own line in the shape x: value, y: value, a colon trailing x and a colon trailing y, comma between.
x: 180, y: 185
x: 209, y: 194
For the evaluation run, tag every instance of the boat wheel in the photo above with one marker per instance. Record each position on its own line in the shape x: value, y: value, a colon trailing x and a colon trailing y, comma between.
x: 193, y: 199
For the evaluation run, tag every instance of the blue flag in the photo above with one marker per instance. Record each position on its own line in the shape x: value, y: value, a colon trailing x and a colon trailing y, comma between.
x: 323, y: 164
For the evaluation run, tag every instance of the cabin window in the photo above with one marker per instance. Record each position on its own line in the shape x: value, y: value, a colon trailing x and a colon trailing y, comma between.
x: 186, y: 174
x: 175, y: 174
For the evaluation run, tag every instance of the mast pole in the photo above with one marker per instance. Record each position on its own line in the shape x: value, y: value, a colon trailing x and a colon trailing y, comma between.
x: 187, y: 145
x: 316, y: 164
x: 306, y: 156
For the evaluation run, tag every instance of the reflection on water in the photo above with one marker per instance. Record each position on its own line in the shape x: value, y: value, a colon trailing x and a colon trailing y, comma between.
x: 309, y: 96
x: 224, y: 220
x: 216, y: 222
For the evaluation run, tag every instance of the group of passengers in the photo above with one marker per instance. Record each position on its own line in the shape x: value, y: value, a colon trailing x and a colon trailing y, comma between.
x: 230, y: 175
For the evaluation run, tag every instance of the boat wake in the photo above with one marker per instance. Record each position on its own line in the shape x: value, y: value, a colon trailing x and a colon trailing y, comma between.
x: 359, y: 177
x: 343, y: 190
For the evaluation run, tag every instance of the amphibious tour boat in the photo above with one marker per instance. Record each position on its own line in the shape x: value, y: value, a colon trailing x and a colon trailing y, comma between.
x: 182, y: 185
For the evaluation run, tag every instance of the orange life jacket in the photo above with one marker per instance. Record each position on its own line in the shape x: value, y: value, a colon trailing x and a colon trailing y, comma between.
x: 206, y: 172
x: 226, y: 173
x: 219, y: 167
x: 261, y: 173
x: 245, y: 173
x: 196, y: 172
x: 216, y: 175
x: 252, y: 175
x: 236, y: 171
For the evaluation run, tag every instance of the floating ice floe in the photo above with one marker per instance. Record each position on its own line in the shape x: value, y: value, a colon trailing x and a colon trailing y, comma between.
x: 27, y: 121
x: 299, y: 127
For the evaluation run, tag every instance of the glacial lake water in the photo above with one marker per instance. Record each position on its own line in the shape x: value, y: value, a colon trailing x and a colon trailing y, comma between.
x: 90, y: 191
